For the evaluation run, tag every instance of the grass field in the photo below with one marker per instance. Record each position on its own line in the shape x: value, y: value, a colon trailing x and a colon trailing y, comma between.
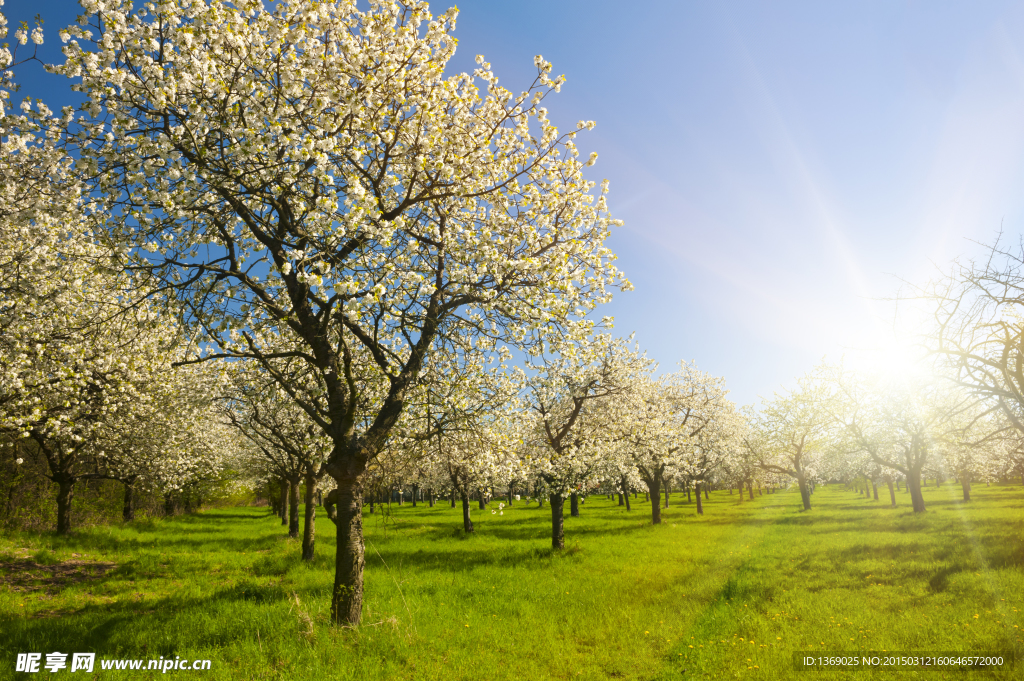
x: 731, y: 594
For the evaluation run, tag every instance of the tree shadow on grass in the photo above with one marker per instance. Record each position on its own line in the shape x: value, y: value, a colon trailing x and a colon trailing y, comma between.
x: 113, y: 629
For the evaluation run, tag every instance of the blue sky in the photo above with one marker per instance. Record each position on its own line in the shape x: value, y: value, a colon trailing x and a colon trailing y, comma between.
x: 778, y: 165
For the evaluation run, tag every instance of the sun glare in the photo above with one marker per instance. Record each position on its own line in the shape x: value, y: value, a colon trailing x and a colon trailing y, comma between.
x: 889, y: 358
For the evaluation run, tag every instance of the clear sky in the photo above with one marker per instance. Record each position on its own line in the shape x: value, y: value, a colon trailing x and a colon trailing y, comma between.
x: 778, y: 165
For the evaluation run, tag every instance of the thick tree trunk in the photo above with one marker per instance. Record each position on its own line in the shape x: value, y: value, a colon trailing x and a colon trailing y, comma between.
x: 689, y: 497
x: 621, y: 502
x: 655, y: 491
x: 467, y: 522
x: 309, y: 521
x: 453, y: 498
x: 574, y: 505
x: 916, y: 497
x: 557, y: 525
x: 965, y: 484
x: 128, y: 509
x: 349, y: 560
x: 700, y: 506
x: 805, y: 494
x: 293, y: 508
x: 415, y: 492
x: 430, y: 497
x: 481, y: 499
x: 284, y: 502
x: 65, y: 492
x: 707, y: 495
x: 874, y: 489
x: 750, y: 489
x: 892, y: 494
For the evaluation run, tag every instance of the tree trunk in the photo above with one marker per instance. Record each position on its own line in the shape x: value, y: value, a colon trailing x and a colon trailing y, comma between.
x: 557, y: 528
x: 874, y: 489
x: 415, y: 491
x: 65, y: 491
x: 574, y: 505
x: 689, y: 497
x: 482, y: 501
x: 805, y: 494
x: 892, y: 494
x: 284, y: 502
x: 453, y: 498
x: 128, y: 509
x: 401, y: 496
x: 349, y: 560
x: 654, y: 486
x: 965, y: 484
x: 168, y: 504
x: 430, y: 497
x: 750, y: 489
x: 309, y: 521
x: 700, y: 506
x: 707, y: 495
x: 916, y: 497
x: 293, y: 508
x: 621, y: 502
x: 467, y: 522
x: 510, y: 495
x: 668, y: 491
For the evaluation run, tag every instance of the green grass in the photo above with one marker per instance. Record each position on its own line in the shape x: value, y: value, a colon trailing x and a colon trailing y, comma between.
x: 731, y: 594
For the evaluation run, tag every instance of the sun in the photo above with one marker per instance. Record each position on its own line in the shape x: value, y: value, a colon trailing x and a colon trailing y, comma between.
x: 889, y: 357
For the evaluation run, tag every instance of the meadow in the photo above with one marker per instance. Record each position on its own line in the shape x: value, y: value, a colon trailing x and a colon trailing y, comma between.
x: 731, y: 594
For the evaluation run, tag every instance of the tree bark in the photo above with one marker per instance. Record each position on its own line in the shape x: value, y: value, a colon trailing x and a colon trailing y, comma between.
x: 916, y: 497
x: 480, y: 498
x: 892, y: 494
x: 453, y: 498
x: 284, y: 502
x: 557, y: 525
x: 707, y: 495
x: 621, y: 502
x: 309, y: 521
x: 700, y: 506
x: 874, y: 489
x: 415, y: 491
x: 805, y: 494
x: 128, y: 509
x: 654, y: 485
x: 293, y: 508
x: 467, y: 522
x: 65, y: 491
x: 574, y: 505
x: 750, y: 489
x: 349, y: 560
x: 689, y: 497
x: 965, y: 484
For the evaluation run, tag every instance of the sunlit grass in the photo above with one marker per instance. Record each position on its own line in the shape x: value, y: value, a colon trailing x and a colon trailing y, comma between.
x: 745, y: 586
